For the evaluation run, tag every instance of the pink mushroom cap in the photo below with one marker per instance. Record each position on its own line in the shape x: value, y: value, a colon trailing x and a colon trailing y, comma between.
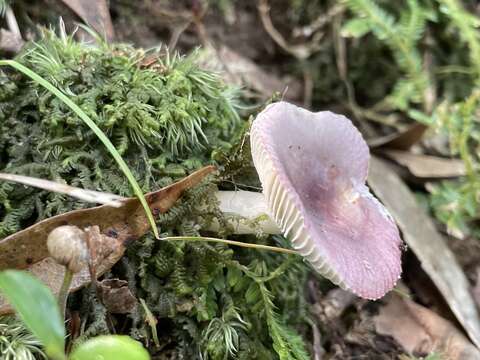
x: 313, y: 168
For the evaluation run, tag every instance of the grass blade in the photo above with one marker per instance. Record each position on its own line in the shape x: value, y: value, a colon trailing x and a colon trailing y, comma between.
x: 231, y: 242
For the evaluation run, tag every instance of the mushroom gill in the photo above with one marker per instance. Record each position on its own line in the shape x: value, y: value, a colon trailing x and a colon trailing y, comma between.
x: 313, y: 168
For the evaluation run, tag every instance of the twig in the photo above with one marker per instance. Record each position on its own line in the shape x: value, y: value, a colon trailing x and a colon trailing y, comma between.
x: 176, y: 33
x: 12, y: 22
x: 307, y: 87
x: 299, y: 51
x: 319, y: 22
x: 430, y: 93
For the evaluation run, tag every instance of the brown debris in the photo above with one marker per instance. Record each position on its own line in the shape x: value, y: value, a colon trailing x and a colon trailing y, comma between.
x: 429, y: 246
x: 425, y: 166
x: 116, y: 296
x: 420, y: 331
x: 241, y: 71
x: 336, y: 301
x: 94, y: 13
x: 402, y: 140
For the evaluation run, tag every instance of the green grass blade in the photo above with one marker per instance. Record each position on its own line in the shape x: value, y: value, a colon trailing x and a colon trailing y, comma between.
x: 231, y: 242
x: 103, y: 138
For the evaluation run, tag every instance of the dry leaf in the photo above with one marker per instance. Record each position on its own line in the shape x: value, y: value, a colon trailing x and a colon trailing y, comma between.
x: 402, y: 140
x: 82, y: 194
x: 10, y: 42
x: 27, y: 249
x: 116, y: 296
x: 420, y: 331
x: 427, y: 243
x: 94, y: 13
x: 241, y: 71
x: 425, y: 166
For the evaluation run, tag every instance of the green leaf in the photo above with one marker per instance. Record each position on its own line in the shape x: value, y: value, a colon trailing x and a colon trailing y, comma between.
x: 98, y: 132
x: 110, y: 347
x: 356, y: 28
x: 37, y: 307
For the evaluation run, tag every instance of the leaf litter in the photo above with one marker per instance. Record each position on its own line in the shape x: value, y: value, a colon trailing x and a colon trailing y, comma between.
x: 27, y: 249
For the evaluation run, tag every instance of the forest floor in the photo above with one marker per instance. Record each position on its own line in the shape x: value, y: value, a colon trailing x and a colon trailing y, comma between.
x: 299, y: 51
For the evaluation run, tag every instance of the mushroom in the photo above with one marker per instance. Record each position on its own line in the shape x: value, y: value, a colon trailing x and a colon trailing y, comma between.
x: 67, y: 245
x: 313, y: 168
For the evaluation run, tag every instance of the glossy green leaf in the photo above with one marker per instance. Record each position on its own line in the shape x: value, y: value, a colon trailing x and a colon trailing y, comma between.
x: 37, y: 307
x: 110, y: 347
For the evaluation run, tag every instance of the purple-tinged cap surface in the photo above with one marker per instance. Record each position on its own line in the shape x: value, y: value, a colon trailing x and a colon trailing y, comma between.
x: 313, y: 168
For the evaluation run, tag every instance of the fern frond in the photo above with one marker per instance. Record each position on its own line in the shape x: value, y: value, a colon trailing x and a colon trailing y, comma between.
x: 402, y: 38
x: 288, y: 344
x: 468, y: 25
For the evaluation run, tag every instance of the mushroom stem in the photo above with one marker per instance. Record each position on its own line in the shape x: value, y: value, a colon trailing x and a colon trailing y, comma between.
x: 246, y: 211
x: 63, y: 294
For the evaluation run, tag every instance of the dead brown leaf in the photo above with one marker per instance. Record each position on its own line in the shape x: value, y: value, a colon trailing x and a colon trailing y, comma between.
x: 116, y: 296
x: 427, y: 243
x: 420, y: 331
x: 241, y: 71
x: 426, y: 166
x: 94, y: 13
x: 27, y: 249
x: 402, y: 140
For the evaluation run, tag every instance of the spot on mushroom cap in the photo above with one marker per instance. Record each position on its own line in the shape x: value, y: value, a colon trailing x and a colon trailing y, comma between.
x: 313, y: 168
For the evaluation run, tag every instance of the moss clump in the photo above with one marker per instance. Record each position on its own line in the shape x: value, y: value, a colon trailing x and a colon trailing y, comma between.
x: 167, y: 117
x: 163, y: 113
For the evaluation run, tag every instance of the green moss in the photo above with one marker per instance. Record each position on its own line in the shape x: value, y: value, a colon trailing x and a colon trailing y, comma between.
x: 165, y: 119
x: 16, y: 341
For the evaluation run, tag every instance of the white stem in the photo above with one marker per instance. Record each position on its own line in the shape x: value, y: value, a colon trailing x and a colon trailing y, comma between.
x: 247, y: 212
